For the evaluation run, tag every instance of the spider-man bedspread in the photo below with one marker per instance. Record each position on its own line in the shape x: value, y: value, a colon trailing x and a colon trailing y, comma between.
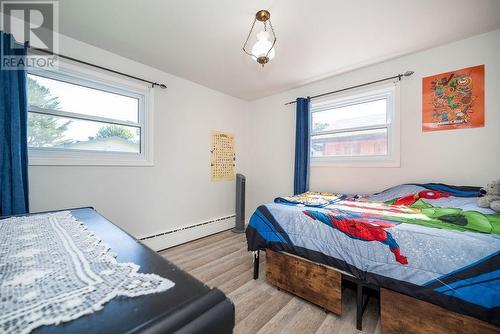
x: 428, y: 241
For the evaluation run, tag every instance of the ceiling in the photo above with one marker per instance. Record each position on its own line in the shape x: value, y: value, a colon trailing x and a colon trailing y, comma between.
x: 201, y: 40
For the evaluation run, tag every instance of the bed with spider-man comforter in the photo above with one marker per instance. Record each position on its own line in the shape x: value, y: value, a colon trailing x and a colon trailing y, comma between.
x: 429, y: 241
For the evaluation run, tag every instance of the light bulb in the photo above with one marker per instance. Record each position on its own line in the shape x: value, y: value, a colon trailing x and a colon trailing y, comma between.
x: 262, y: 46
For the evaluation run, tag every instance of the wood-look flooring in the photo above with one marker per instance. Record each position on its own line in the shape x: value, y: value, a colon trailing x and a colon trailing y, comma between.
x: 222, y: 261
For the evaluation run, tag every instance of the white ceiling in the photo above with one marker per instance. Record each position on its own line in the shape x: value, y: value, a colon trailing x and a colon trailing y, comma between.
x: 201, y: 40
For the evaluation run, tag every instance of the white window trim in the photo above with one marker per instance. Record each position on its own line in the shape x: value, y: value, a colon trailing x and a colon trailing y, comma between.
x: 71, y: 157
x: 393, y: 158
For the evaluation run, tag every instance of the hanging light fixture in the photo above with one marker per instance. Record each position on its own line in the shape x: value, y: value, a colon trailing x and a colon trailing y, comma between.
x: 263, y: 50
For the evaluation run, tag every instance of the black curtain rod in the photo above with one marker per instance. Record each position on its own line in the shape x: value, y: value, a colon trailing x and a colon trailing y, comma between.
x: 399, y: 77
x: 153, y: 84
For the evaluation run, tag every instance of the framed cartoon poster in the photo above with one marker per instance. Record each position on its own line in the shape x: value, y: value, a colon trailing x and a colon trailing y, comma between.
x: 453, y: 100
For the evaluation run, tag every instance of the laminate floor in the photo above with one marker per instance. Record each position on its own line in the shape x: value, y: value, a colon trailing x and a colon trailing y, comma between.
x: 222, y: 261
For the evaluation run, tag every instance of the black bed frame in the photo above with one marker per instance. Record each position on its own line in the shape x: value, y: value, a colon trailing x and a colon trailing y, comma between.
x: 363, y: 290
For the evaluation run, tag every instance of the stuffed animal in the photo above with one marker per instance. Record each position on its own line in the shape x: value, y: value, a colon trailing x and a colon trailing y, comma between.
x: 491, y: 199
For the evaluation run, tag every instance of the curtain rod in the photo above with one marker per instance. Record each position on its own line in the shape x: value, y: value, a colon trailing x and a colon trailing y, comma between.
x: 399, y: 77
x: 153, y: 84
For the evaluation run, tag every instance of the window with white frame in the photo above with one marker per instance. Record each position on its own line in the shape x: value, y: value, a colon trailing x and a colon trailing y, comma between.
x: 74, y: 118
x: 359, y: 129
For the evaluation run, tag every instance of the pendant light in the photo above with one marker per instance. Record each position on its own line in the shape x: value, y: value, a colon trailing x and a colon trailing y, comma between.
x: 263, y: 50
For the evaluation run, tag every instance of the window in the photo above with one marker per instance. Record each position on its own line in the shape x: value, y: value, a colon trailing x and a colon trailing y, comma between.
x: 356, y: 130
x: 75, y: 119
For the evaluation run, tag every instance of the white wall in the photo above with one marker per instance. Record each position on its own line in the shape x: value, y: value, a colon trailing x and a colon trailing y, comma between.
x: 468, y: 156
x: 177, y: 190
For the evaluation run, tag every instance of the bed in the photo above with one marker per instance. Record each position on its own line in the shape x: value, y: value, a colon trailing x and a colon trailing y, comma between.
x: 428, y: 242
x: 188, y: 307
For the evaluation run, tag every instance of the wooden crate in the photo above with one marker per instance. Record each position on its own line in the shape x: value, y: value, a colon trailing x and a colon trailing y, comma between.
x: 403, y: 314
x: 315, y: 283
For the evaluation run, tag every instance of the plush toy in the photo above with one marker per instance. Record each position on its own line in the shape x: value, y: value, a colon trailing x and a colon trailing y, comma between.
x: 491, y: 198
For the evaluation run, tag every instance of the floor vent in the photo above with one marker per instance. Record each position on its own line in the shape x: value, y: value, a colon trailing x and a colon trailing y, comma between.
x: 184, y: 234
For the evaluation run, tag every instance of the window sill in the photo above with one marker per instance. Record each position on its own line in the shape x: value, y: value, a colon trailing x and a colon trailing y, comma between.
x: 83, y: 162
x: 95, y: 159
x: 356, y: 163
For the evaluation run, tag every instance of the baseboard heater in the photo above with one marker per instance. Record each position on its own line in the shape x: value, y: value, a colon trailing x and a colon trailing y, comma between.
x: 170, y: 238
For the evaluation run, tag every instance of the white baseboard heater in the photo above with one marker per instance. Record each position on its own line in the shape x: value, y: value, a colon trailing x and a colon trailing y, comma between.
x: 180, y: 235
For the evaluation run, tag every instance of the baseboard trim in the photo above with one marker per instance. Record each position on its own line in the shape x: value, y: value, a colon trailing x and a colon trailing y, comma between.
x: 174, y: 237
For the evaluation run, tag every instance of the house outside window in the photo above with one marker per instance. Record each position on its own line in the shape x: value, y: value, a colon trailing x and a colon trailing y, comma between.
x: 359, y: 129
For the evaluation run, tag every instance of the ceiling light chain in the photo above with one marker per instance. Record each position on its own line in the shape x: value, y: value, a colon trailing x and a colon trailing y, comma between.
x: 248, y: 37
x: 275, y: 39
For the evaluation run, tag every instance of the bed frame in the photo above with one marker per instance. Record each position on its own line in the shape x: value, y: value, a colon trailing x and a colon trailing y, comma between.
x: 399, y: 313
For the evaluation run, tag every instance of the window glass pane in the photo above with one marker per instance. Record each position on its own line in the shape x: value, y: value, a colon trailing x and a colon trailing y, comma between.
x: 53, y: 94
x: 352, y: 116
x: 68, y: 133
x: 350, y: 144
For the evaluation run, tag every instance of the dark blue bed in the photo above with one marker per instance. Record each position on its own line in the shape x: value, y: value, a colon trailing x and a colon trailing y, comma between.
x: 431, y: 242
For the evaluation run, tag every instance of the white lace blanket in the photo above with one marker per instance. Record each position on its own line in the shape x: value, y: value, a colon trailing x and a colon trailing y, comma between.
x: 52, y: 269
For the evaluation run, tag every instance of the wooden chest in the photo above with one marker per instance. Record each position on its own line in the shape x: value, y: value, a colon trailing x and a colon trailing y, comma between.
x: 403, y: 314
x: 321, y: 285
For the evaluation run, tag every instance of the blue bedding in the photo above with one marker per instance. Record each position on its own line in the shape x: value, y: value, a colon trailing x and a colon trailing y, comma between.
x: 429, y: 241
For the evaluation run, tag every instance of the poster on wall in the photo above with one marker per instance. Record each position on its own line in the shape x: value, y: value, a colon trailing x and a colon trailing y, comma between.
x: 223, y: 158
x: 453, y: 100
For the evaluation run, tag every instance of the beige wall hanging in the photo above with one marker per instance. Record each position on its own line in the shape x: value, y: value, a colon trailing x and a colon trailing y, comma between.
x: 223, y: 158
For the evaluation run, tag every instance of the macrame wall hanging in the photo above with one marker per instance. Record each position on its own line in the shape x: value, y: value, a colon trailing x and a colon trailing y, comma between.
x: 223, y: 158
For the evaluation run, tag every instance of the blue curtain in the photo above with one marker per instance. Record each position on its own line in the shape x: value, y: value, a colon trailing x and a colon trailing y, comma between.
x: 13, y: 132
x: 302, y: 149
